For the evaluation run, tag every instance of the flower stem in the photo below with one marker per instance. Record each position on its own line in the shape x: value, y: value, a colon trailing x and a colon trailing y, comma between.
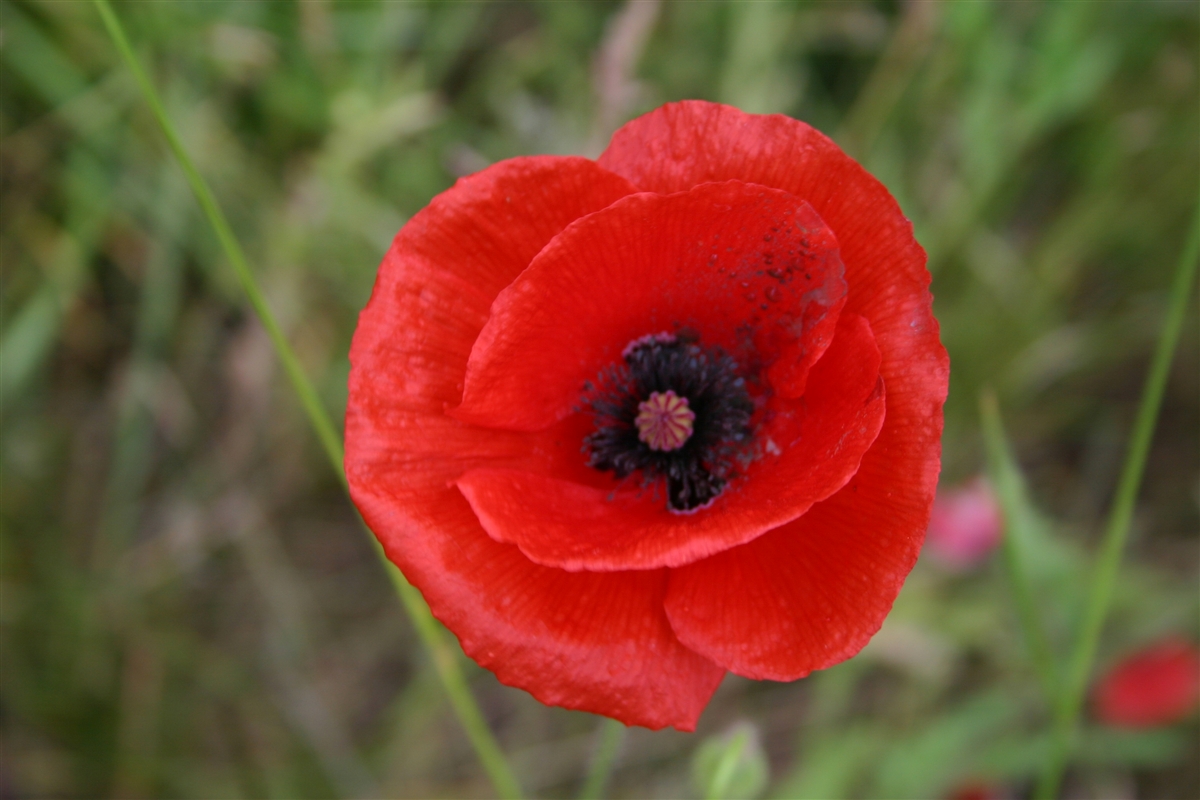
x: 1010, y: 490
x: 611, y: 734
x: 1070, y: 699
x: 444, y: 658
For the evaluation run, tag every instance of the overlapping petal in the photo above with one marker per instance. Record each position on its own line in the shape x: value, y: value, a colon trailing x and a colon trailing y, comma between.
x: 813, y: 448
x: 875, y: 525
x: 598, y: 642
x: 748, y: 268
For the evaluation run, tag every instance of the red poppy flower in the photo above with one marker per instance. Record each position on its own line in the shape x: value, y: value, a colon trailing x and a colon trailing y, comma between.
x: 629, y: 424
x: 1157, y: 685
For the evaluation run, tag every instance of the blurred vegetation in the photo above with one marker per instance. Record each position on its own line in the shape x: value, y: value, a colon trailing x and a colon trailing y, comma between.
x: 188, y: 607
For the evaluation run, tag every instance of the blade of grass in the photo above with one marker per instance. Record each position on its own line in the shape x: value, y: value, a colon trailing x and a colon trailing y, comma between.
x: 1010, y: 490
x: 893, y: 72
x: 450, y: 672
x: 727, y: 766
x: 26, y: 341
x: 158, y: 306
x: 1116, y: 533
x: 29, y: 337
x: 233, y: 251
x: 38, y: 60
x: 611, y: 734
x: 445, y: 661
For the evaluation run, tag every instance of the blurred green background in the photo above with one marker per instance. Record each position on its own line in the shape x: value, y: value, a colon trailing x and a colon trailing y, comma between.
x: 189, y: 608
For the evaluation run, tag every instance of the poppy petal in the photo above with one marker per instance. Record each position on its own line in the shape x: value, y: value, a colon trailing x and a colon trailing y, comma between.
x: 879, y: 518
x: 590, y: 641
x: 595, y: 642
x: 750, y: 269
x: 810, y: 593
x: 571, y: 526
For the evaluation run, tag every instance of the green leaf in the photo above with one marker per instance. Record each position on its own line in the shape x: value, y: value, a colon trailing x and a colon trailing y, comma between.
x: 832, y: 766
x: 1069, y: 701
x: 612, y: 732
x: 1030, y: 553
x: 38, y: 60
x: 927, y: 762
x: 1020, y: 756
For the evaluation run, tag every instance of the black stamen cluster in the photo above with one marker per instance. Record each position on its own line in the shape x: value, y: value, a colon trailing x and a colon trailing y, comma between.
x: 707, y: 378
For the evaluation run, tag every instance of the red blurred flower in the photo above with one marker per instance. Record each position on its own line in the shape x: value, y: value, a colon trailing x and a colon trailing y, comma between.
x: 964, y: 527
x: 975, y: 790
x: 515, y: 440
x: 1157, y: 685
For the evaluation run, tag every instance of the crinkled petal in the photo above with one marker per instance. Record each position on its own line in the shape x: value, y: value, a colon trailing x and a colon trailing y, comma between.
x: 811, y: 593
x: 750, y: 269
x: 599, y: 643
x: 879, y: 518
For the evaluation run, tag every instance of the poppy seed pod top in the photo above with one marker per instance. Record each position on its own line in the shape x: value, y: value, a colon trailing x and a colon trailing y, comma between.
x: 664, y: 421
x: 629, y: 424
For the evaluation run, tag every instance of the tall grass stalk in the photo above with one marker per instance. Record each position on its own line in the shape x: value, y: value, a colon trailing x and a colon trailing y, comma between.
x: 1010, y: 489
x: 726, y: 769
x: 611, y: 734
x: 1116, y: 533
x: 444, y: 658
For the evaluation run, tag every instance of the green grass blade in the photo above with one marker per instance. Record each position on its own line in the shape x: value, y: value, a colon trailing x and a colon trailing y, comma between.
x: 731, y: 765
x: 611, y: 734
x: 38, y: 60
x: 454, y: 682
x: 893, y: 73
x: 726, y: 766
x: 444, y: 658
x: 1006, y: 477
x: 1116, y: 533
x: 27, y: 340
x: 233, y: 251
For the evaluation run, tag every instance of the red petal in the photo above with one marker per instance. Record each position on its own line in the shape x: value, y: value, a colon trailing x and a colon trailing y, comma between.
x: 811, y: 593
x: 599, y: 643
x: 812, y: 454
x: 751, y: 269
x: 879, y: 519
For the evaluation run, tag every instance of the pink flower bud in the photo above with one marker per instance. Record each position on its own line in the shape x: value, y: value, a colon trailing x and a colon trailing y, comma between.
x: 964, y: 527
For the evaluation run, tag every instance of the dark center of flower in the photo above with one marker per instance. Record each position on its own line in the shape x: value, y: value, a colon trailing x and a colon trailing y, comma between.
x: 672, y: 409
